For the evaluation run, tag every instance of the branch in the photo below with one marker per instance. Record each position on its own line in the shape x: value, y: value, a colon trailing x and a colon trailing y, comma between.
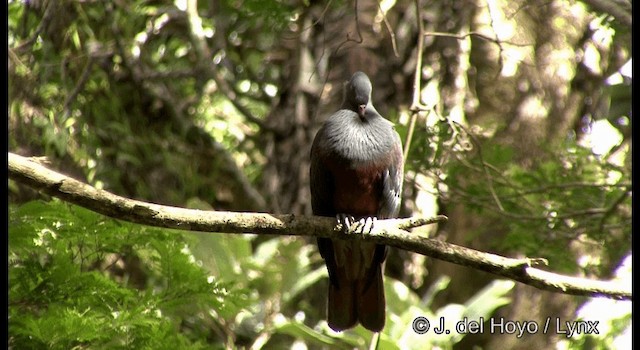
x: 394, y: 45
x: 391, y: 232
x: 349, y: 39
x: 49, y: 13
x: 619, y: 9
x: 232, y: 96
x: 477, y: 34
x: 86, y: 73
x: 416, y: 105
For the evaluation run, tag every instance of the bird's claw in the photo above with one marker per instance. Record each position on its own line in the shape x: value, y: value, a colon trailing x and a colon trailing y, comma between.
x: 362, y: 226
x: 345, y: 221
x: 365, y: 225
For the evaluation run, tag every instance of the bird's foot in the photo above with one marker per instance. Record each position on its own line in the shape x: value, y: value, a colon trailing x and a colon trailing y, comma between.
x: 365, y: 225
x: 362, y: 226
x: 345, y: 221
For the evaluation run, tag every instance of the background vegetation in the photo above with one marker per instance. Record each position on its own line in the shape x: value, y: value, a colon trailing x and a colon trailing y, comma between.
x: 520, y: 134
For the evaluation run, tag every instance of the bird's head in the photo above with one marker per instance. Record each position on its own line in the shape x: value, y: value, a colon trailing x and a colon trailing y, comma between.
x: 358, y: 93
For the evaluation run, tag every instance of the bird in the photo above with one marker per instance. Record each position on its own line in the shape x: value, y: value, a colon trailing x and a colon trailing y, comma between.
x: 356, y: 175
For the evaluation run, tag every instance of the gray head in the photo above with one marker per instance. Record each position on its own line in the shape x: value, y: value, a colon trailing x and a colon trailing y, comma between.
x: 357, y: 95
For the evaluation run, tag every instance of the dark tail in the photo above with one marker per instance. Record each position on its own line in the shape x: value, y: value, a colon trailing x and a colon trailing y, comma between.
x: 361, y: 301
x: 371, y: 302
x: 341, y: 310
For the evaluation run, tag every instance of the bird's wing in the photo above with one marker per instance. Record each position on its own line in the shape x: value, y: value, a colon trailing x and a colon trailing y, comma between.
x: 389, y: 206
x: 321, y: 179
x: 392, y: 182
x: 322, y: 189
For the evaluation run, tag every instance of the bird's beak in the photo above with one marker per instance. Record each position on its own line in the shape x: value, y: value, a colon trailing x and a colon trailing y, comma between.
x: 361, y: 109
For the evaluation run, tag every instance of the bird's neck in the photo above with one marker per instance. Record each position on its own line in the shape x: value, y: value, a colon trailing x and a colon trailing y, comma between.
x: 370, y: 112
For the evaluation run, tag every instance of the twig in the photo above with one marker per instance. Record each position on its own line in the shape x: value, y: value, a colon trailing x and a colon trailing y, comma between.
x: 497, y: 39
x: 573, y: 214
x: 23, y: 170
x: 322, y: 14
x: 394, y: 45
x: 607, y: 213
x: 416, y: 106
x: 79, y: 86
x: 204, y: 55
x: 360, y: 39
x: 479, y: 35
x: 46, y: 18
x: 335, y: 52
x: 620, y: 9
x: 561, y: 186
x: 231, y: 95
x: 484, y: 168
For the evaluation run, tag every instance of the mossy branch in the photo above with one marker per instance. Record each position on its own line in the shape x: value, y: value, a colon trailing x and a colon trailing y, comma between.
x: 392, y: 232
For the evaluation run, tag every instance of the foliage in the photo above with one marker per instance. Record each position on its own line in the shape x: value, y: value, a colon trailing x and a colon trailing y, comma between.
x: 569, y: 195
x: 71, y: 283
x: 138, y: 94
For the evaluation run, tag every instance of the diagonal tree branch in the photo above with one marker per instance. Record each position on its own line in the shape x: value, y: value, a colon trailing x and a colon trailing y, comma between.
x: 391, y: 232
x: 619, y: 9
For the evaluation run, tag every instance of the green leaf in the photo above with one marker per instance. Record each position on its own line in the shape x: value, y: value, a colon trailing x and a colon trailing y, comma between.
x: 301, y: 331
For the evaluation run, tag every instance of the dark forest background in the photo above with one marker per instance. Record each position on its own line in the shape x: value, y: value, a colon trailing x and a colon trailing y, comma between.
x: 519, y: 127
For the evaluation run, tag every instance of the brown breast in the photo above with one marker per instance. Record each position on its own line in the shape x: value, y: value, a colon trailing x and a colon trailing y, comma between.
x: 357, y: 189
